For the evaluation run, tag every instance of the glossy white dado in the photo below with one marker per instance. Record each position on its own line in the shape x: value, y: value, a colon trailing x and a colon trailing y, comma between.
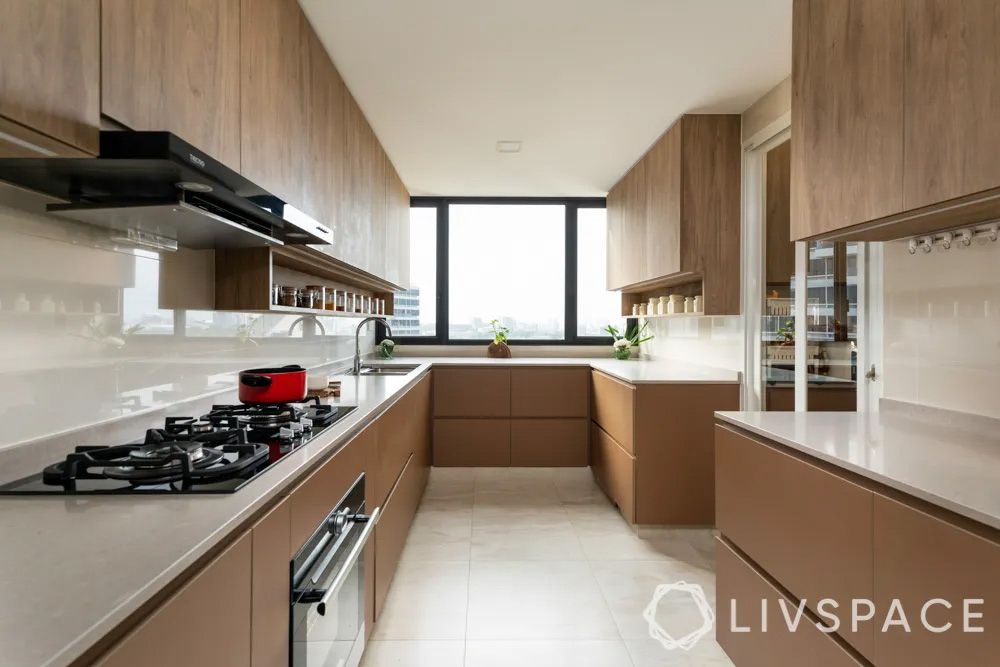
x: 79, y: 566
x: 942, y: 327
x: 83, y: 341
x: 712, y: 341
x: 947, y: 459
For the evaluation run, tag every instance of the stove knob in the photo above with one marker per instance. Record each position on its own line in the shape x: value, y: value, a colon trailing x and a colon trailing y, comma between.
x: 307, y: 424
x: 286, y: 433
x: 296, y: 427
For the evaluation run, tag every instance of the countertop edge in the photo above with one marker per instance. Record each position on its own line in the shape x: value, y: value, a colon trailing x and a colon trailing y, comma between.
x: 891, y: 482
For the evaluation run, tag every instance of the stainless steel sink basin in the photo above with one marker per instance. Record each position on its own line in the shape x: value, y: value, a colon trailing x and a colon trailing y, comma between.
x: 386, y: 370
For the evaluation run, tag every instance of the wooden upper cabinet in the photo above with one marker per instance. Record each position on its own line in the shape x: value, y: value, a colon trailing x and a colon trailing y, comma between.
x: 217, y: 597
x: 273, y: 116
x: 324, y: 149
x: 616, y: 230
x: 397, y: 233
x: 847, y: 113
x: 663, y: 206
x: 952, y: 85
x: 50, y: 77
x: 174, y: 65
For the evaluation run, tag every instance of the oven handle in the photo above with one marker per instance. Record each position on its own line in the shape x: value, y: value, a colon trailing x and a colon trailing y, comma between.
x: 351, y: 559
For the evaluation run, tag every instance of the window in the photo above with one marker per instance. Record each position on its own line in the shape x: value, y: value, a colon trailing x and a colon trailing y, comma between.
x: 537, y: 265
x: 596, y: 306
x: 507, y: 262
x: 415, y: 310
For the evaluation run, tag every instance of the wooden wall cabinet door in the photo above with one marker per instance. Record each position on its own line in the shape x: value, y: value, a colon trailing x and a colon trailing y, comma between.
x: 549, y: 442
x: 663, y: 205
x: 323, y: 158
x: 614, y: 408
x: 50, y: 77
x: 471, y: 392
x: 952, y: 80
x: 739, y: 584
x: 217, y: 598
x: 614, y: 471
x: 848, y: 113
x: 174, y: 65
x: 271, y: 588
x: 809, y: 529
x: 616, y: 278
x: 550, y: 392
x: 273, y: 138
x: 472, y: 442
x: 921, y: 557
x: 397, y: 235
x: 635, y: 234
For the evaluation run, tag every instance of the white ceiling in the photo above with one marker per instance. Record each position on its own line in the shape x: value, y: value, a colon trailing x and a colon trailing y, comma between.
x: 587, y: 85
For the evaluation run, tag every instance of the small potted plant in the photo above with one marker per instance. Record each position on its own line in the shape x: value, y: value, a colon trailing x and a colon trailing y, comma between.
x: 622, y: 344
x: 386, y: 348
x: 499, y: 349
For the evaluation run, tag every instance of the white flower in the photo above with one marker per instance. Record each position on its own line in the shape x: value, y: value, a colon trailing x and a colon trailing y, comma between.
x: 620, y: 343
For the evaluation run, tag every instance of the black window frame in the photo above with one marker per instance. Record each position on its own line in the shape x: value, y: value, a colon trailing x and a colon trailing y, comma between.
x: 442, y: 204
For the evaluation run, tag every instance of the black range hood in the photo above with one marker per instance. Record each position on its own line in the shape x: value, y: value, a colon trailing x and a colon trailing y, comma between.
x: 155, y: 189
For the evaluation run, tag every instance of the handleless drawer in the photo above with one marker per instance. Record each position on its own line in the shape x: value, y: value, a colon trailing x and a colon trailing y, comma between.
x: 613, y: 405
x: 810, y: 529
x: 550, y: 392
x: 393, y: 527
x: 549, y: 442
x: 472, y: 442
x: 740, y: 587
x: 614, y: 471
x: 471, y: 392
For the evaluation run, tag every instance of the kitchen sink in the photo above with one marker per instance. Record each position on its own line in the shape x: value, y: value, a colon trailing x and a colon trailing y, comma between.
x: 385, y: 370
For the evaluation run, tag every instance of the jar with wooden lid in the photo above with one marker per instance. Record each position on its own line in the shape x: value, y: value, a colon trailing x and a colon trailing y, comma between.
x: 290, y: 296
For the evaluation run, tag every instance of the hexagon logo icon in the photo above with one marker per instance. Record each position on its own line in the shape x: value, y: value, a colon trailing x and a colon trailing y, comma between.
x: 698, y: 599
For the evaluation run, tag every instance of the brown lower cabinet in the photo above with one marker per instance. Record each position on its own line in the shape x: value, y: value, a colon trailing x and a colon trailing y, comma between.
x: 614, y: 471
x: 549, y: 442
x: 218, y: 597
x: 394, y: 526
x: 270, y: 587
x: 471, y: 442
x: 740, y: 588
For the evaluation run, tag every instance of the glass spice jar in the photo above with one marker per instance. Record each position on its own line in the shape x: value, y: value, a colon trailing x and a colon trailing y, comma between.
x: 289, y: 296
x: 319, y: 295
x: 275, y: 294
x: 306, y: 298
x: 340, y: 300
x: 331, y: 299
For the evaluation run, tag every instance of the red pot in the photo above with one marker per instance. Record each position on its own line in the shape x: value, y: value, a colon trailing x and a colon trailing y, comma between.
x: 273, y: 385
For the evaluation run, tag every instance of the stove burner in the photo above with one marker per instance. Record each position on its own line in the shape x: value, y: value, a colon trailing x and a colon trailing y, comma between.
x: 164, y: 462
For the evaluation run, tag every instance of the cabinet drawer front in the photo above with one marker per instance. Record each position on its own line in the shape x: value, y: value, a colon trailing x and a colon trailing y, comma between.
x: 809, y: 529
x: 394, y: 526
x: 403, y: 430
x: 217, y: 597
x: 550, y: 392
x: 472, y: 442
x: 919, y: 557
x: 614, y: 471
x: 271, y: 589
x: 549, y: 442
x: 613, y: 403
x: 316, y: 497
x: 471, y: 392
x: 738, y: 584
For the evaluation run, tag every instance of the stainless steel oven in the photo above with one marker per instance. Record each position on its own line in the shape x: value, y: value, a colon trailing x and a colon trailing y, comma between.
x: 328, y: 586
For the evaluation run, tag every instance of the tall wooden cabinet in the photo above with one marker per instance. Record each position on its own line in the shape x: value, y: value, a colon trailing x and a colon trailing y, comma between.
x: 893, y: 117
x: 674, y: 218
x: 174, y: 65
x: 50, y: 78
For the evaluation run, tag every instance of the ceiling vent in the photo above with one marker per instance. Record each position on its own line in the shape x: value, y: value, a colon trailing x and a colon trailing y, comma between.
x: 508, y: 147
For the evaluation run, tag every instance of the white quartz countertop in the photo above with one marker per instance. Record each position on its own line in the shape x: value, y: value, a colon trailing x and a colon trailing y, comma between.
x: 934, y: 457
x: 73, y: 568
x: 636, y: 371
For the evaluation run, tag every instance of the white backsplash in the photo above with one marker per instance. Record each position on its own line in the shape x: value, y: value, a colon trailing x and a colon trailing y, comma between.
x: 715, y: 341
x: 83, y: 342
x: 942, y: 327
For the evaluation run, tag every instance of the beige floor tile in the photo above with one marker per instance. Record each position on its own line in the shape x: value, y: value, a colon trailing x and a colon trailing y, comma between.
x: 541, y: 653
x: 502, y: 543
x: 417, y: 653
x: 628, y: 587
x: 427, y: 600
x: 541, y: 515
x: 536, y: 600
x: 649, y: 653
x: 439, y: 534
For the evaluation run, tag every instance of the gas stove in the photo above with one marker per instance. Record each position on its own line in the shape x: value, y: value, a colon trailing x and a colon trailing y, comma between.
x: 216, y: 453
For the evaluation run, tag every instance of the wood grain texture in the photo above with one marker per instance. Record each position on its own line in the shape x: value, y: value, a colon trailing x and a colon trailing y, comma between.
x: 324, y: 150
x: 952, y: 84
x: 920, y: 557
x: 217, y: 597
x: 549, y: 442
x: 616, y: 238
x: 471, y: 442
x: 613, y: 408
x: 847, y: 113
x: 174, y: 65
x: 273, y: 118
x: 243, y: 278
x: 662, y: 239
x: 614, y: 470
x: 635, y: 207
x: 270, y: 588
x: 403, y: 430
x: 393, y: 528
x: 739, y: 583
x: 471, y: 392
x: 779, y: 250
x: 550, y: 392
x: 18, y: 140
x: 811, y: 530
x: 674, y: 450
